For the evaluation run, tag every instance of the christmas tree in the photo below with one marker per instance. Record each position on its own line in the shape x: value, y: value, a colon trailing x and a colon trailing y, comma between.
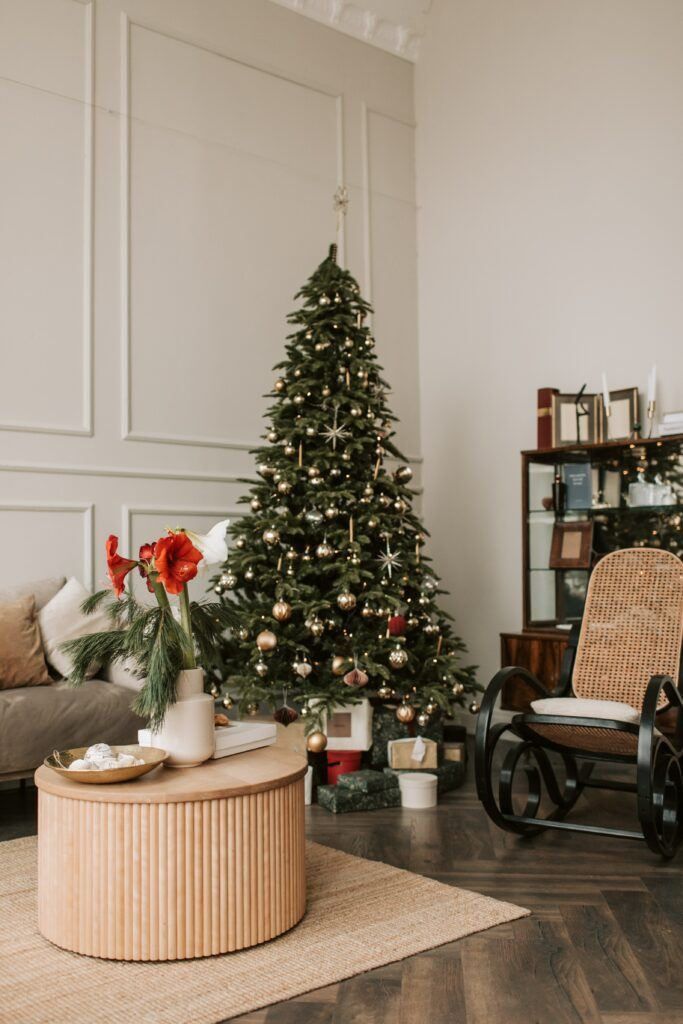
x: 335, y: 596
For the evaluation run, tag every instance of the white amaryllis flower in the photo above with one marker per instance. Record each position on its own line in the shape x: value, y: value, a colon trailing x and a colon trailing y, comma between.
x: 213, y: 545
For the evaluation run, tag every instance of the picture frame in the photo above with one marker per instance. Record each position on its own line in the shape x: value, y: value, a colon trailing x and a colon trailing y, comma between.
x: 349, y: 726
x: 624, y: 405
x: 565, y: 430
x: 572, y: 545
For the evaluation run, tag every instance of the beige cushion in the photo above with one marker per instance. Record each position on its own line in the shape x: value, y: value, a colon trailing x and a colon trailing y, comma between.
x: 123, y: 674
x: 36, y: 721
x: 577, y: 707
x: 41, y: 590
x: 21, y: 653
x: 62, y: 619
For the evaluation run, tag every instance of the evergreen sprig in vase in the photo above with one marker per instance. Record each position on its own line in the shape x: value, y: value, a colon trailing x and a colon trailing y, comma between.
x: 171, y: 646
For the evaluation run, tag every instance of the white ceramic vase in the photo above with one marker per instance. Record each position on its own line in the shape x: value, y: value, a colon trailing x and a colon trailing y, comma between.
x: 187, y: 733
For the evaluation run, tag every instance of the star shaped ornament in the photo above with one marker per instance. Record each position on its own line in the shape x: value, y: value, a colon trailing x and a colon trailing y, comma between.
x: 335, y: 433
x: 389, y: 561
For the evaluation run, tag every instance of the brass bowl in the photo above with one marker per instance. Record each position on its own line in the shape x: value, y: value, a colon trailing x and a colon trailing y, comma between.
x: 152, y: 756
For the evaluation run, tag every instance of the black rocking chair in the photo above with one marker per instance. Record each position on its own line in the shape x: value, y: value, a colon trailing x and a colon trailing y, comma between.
x: 620, y: 667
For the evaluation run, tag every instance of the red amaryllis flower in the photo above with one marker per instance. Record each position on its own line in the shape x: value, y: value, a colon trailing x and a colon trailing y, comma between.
x: 175, y: 561
x: 117, y: 566
x: 146, y: 557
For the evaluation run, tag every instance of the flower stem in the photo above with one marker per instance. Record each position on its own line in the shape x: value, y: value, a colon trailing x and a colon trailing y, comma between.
x: 186, y: 622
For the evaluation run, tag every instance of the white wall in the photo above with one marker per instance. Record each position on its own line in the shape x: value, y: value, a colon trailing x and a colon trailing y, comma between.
x: 550, y: 239
x: 166, y: 178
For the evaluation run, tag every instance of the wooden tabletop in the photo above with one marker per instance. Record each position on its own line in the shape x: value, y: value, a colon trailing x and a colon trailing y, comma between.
x: 251, y: 772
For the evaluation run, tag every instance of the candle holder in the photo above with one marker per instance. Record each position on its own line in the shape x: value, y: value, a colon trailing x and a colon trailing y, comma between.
x: 651, y: 406
x: 608, y: 414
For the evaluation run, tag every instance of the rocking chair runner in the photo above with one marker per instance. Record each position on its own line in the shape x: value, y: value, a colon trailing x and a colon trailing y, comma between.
x: 622, y: 676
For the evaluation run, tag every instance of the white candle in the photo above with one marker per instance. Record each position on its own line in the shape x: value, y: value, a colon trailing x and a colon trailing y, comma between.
x: 605, y: 391
x: 652, y: 385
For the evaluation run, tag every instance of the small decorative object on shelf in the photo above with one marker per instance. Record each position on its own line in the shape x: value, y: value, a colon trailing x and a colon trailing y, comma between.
x: 575, y: 418
x: 164, y: 649
x: 572, y: 545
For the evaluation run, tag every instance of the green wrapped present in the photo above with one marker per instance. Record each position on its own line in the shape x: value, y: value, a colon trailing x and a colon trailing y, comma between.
x: 340, y: 800
x: 450, y: 775
x: 367, y: 781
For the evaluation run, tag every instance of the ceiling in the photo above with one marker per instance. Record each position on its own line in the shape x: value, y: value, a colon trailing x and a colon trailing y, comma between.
x: 393, y: 25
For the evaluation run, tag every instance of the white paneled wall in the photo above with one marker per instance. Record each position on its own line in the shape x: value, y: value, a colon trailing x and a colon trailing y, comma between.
x: 167, y: 170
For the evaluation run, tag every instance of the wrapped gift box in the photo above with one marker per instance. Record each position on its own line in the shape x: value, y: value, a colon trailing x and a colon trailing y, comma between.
x: 341, y: 799
x: 403, y: 754
x: 367, y: 781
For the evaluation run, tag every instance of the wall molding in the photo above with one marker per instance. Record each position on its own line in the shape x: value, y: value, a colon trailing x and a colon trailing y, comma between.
x: 128, y: 511
x: 67, y: 469
x: 86, y: 429
x: 88, y: 513
x: 366, y: 111
x: 361, y: 21
x: 161, y: 437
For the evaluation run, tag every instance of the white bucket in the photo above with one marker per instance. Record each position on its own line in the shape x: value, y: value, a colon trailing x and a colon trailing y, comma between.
x: 418, y: 790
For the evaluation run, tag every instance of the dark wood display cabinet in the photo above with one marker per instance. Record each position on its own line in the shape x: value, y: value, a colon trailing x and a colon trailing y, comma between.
x: 578, y: 504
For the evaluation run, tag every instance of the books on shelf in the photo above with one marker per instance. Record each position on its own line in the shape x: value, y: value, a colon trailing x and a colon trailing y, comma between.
x: 671, y: 423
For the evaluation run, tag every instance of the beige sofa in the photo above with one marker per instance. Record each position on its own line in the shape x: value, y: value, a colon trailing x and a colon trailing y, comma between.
x: 35, y: 720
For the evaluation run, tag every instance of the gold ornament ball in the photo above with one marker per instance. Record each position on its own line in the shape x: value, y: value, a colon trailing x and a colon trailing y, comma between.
x: 266, y: 640
x: 242, y: 633
x: 316, y: 742
x: 367, y: 612
x: 423, y: 719
x: 249, y: 575
x: 298, y: 400
x: 474, y: 708
x: 431, y: 708
x: 310, y: 431
x: 331, y: 512
x: 405, y: 713
x: 284, y: 487
x: 252, y: 709
x: 384, y: 692
x: 302, y: 668
x: 271, y: 536
x: 255, y: 504
x: 282, y: 611
x: 279, y: 384
x: 317, y: 627
x: 372, y: 523
x: 239, y: 542
x: 289, y: 449
x: 346, y: 601
x: 272, y: 436
x: 261, y: 669
x: 398, y: 657
x: 339, y: 664
x: 313, y: 472
x: 346, y: 456
x: 326, y: 392
x: 458, y: 689
x: 324, y: 550
x: 404, y: 474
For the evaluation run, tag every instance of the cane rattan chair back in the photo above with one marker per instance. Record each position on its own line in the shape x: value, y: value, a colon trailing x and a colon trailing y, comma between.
x: 632, y: 626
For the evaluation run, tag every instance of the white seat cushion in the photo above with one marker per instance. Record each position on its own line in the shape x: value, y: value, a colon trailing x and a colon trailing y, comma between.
x: 576, y: 707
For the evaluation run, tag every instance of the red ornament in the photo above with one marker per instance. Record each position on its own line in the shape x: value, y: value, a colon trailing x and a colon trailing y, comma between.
x: 397, y: 625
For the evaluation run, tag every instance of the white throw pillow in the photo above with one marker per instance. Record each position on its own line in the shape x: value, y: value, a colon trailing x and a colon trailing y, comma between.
x: 577, y: 707
x: 62, y: 619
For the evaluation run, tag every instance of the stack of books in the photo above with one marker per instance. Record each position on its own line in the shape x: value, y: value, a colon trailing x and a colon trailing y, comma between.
x: 672, y: 423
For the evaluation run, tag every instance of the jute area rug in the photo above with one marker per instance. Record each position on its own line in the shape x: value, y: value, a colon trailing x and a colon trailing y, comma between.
x: 361, y: 914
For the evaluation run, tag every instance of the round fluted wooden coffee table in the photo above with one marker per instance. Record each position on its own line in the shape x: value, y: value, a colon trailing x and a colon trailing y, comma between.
x: 182, y: 862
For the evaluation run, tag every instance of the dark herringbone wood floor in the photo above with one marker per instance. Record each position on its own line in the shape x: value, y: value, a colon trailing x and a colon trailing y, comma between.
x: 604, y: 944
